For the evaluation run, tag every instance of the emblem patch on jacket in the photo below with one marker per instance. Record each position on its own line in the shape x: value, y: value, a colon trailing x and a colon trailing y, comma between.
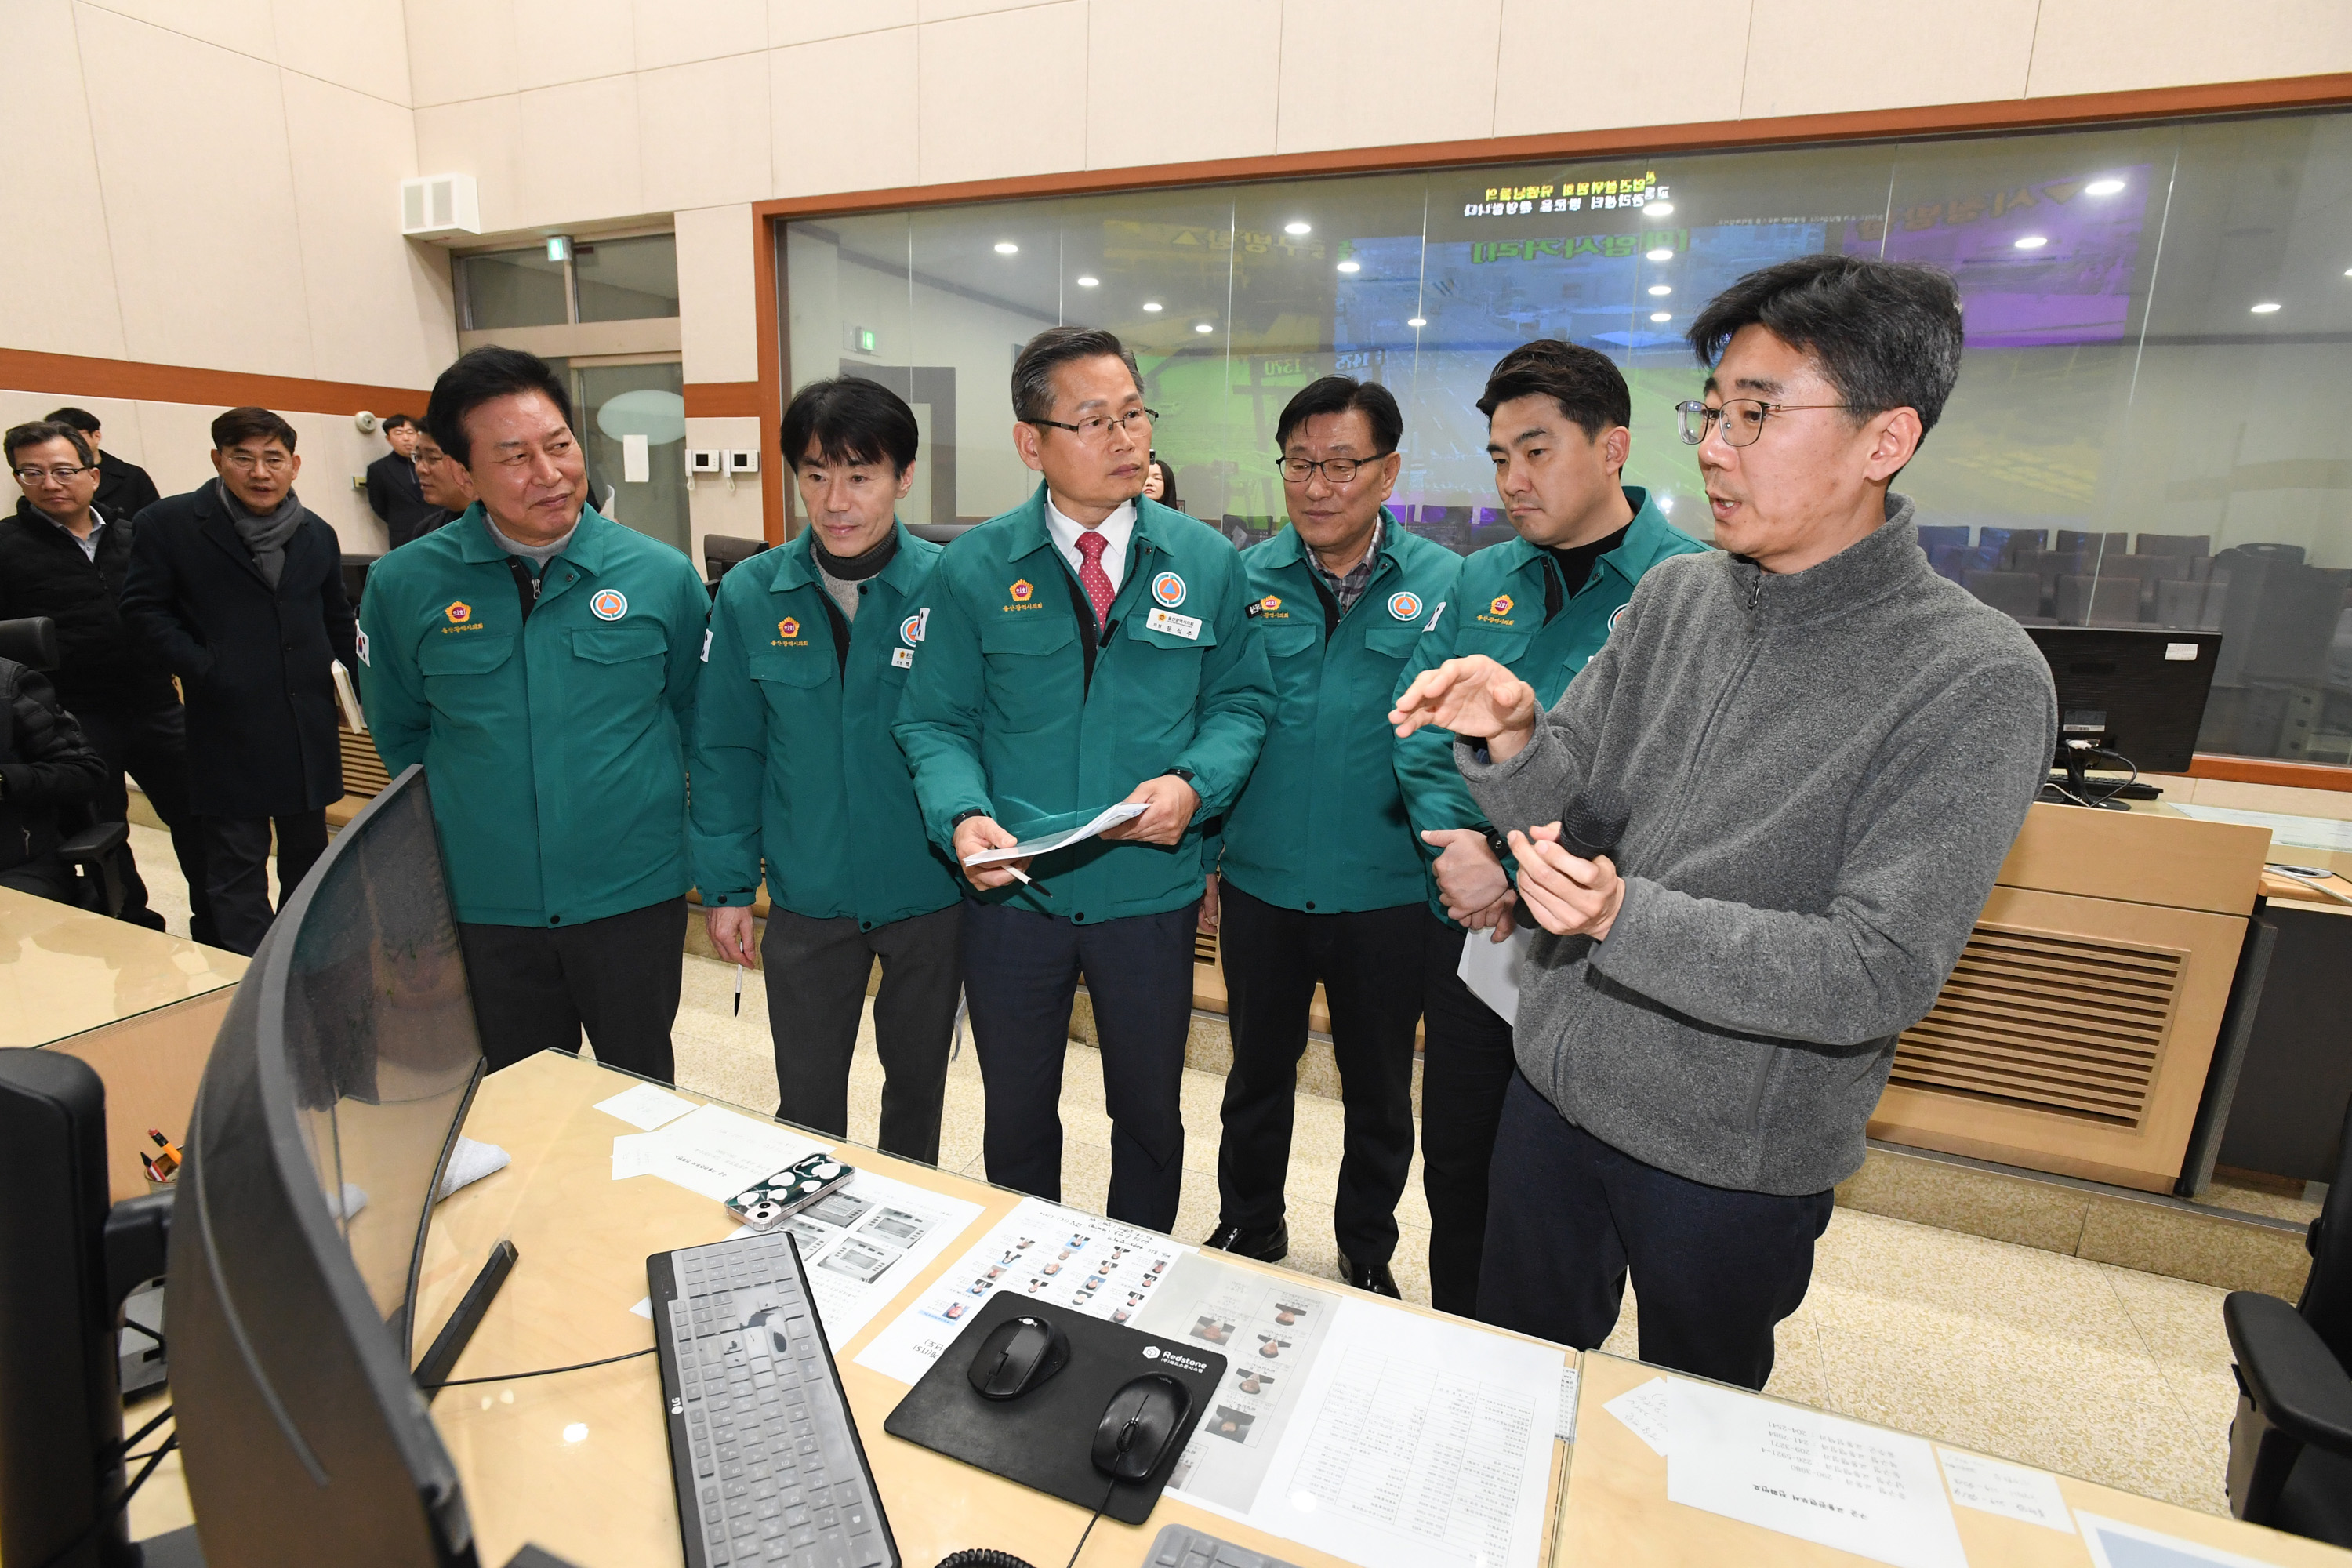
x: 1404, y: 607
x: 608, y: 605
x: 458, y: 612
x: 1169, y: 589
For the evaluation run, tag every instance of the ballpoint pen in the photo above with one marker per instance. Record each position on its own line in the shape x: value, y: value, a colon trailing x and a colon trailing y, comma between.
x: 738, y: 990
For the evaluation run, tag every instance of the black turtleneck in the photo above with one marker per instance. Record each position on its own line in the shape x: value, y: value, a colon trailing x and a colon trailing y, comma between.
x: 1575, y: 565
x: 856, y: 568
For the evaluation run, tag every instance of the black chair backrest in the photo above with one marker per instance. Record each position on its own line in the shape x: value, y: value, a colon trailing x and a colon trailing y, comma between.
x: 32, y: 641
x: 1933, y: 535
x: 2176, y: 544
x: 941, y: 532
x: 2326, y: 1303
x: 722, y: 551
x: 2075, y: 539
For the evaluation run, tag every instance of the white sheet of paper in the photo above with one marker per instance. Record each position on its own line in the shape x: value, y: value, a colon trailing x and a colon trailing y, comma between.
x: 636, y: 459
x: 469, y: 1162
x: 1566, y: 1429
x: 2013, y: 1491
x: 2309, y: 832
x: 718, y: 1153
x: 1817, y: 1477
x: 644, y: 1106
x: 2114, y: 1545
x: 1109, y: 816
x: 1644, y: 1412
x: 1491, y: 969
x: 861, y: 1245
x: 633, y: 1155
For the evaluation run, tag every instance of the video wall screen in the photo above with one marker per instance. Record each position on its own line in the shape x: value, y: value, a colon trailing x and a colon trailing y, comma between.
x: 2149, y: 427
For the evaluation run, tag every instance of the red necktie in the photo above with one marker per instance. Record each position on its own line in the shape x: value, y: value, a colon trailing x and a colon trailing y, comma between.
x: 1091, y: 576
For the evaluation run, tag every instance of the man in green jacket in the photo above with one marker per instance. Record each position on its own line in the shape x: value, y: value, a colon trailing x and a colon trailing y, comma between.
x: 1322, y: 877
x: 1542, y: 604
x: 794, y: 768
x: 1087, y: 648
x: 539, y: 659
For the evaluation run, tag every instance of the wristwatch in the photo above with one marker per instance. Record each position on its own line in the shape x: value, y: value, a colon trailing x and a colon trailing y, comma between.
x: 1184, y: 774
x: 960, y: 818
x: 1498, y: 843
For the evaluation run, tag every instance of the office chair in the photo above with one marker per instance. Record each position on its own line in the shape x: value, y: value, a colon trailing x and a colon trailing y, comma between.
x: 2011, y: 544
x: 89, y: 847
x: 2291, y: 1445
x: 2075, y: 540
x: 2014, y: 593
x: 723, y: 552
x: 1936, y: 536
x: 2176, y: 544
x: 2105, y: 601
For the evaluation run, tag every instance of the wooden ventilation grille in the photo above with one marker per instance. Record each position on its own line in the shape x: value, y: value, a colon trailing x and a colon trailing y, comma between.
x: 2055, y: 1023
x: 364, y: 773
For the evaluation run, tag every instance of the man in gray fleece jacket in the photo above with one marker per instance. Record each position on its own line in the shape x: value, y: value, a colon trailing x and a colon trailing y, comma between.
x: 1828, y: 750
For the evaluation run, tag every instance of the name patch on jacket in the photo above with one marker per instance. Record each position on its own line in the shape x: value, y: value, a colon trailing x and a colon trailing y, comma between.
x: 1175, y: 625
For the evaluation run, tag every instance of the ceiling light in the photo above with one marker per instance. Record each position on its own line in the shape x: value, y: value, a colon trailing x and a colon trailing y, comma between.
x: 1662, y: 315
x: 1662, y: 254
x: 2031, y: 241
x: 1660, y: 290
x: 1666, y: 505
x: 1089, y: 282
x: 1351, y: 267
x: 2103, y: 187
x: 1299, y: 228
x: 1203, y: 327
x: 1418, y: 321
x: 1006, y: 247
x: 1152, y: 305
x: 2266, y: 307
x: 1659, y: 209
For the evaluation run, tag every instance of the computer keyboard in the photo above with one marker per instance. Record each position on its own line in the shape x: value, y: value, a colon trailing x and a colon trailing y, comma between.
x: 1181, y: 1546
x: 764, y: 1450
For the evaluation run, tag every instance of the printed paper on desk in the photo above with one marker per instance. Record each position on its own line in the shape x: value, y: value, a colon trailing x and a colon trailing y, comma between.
x: 2013, y: 1491
x: 1644, y: 1412
x: 1109, y: 816
x: 1491, y: 969
x: 2114, y: 1545
x: 1819, y: 1477
x: 718, y: 1153
x: 644, y: 1106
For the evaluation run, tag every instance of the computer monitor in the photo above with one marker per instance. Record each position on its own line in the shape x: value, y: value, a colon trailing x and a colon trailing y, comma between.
x: 334, y: 1091
x: 2136, y: 695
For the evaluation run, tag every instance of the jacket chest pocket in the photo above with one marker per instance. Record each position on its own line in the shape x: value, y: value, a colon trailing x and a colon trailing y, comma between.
x: 792, y: 679
x: 1026, y: 655
x: 453, y: 665
x: 1386, y: 647
x: 1167, y: 674
x: 1293, y: 650
x: 625, y: 659
x: 1506, y: 646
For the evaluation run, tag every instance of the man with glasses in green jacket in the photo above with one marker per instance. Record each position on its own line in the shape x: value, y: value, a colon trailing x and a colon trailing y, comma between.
x: 795, y: 770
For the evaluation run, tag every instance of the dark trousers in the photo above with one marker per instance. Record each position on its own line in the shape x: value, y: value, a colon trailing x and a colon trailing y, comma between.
x: 535, y: 987
x: 817, y: 970
x: 1466, y: 1066
x: 44, y: 876
x: 1021, y: 971
x: 236, y: 869
x: 1369, y: 962
x: 1715, y: 1268
x: 151, y: 746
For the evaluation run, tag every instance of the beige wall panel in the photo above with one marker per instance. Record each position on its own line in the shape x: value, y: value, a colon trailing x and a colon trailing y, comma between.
x: 359, y: 44
x: 807, y: 21
x: 379, y: 308
x: 1546, y: 80
x: 460, y: 49
x: 243, y: 25
x: 1371, y: 73
x: 2106, y: 45
x: 843, y: 113
x: 123, y: 434
x: 200, y: 205
x: 561, y: 41
x: 175, y: 438
x: 333, y: 453
x: 712, y: 508
x: 481, y: 137
x: 1808, y: 57
x: 717, y: 320
x: 57, y: 296
x: 576, y: 156
x: 1225, y: 52
x: 948, y: 10
x: 674, y: 32
x: 705, y: 132
x: 973, y: 73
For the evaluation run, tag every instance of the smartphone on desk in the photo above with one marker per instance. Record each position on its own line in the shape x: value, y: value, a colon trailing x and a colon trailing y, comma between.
x: 766, y: 1203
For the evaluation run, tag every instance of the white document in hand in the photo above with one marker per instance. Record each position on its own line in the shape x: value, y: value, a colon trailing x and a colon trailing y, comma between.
x: 1491, y: 969
x: 1109, y: 816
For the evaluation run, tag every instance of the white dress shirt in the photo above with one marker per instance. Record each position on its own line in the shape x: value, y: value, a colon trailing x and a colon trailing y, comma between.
x: 1116, y: 529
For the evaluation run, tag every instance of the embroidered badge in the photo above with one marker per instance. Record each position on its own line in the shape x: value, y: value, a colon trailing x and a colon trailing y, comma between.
x: 911, y: 631
x: 1022, y: 590
x: 1501, y: 607
x: 458, y: 612
x: 608, y: 605
x: 1617, y: 615
x: 1270, y: 604
x: 1404, y: 607
x: 902, y: 658
x: 1169, y: 589
x: 706, y: 645
x: 788, y: 629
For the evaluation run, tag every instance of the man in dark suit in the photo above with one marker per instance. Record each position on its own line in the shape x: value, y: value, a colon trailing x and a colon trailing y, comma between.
x: 125, y: 489
x: 395, y: 490
x: 241, y: 589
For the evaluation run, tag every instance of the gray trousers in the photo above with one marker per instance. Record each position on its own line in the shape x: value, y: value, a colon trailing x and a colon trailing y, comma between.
x: 816, y: 973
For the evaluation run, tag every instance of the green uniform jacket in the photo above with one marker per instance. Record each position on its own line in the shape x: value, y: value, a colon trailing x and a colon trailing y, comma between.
x: 1000, y: 717
x: 1320, y: 825
x: 793, y: 762
x: 1498, y: 610
x: 555, y: 747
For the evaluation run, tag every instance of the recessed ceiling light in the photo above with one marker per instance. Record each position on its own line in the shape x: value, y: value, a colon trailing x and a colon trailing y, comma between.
x: 1298, y: 228
x: 2266, y: 307
x: 2103, y: 187
x: 1006, y: 247
x: 1662, y: 315
x: 1418, y: 321
x: 1152, y: 305
x: 1662, y: 254
x: 2031, y: 241
x: 1203, y: 327
x: 1659, y: 209
x: 1089, y: 282
x: 1660, y: 290
x: 1351, y: 267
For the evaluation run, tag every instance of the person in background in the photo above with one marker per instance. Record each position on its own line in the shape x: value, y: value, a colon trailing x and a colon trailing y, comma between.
x: 811, y: 643
x: 539, y: 659
x: 1160, y: 485
x: 1089, y: 647
x: 62, y: 556
x: 1322, y: 877
x: 394, y: 492
x: 443, y: 483
x: 240, y: 588
x: 1541, y: 605
x: 124, y: 491
x: 45, y: 762
x: 1828, y: 750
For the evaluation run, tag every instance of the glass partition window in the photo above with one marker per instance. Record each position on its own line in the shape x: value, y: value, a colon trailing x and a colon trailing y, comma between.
x: 627, y: 280
x: 2148, y: 429
x: 512, y: 288
x: 631, y: 279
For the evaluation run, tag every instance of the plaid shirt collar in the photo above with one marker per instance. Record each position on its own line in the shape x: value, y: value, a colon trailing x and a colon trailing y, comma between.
x: 1350, y: 588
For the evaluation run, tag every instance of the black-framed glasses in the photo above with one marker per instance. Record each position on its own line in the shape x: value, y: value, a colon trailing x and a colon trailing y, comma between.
x: 1743, y: 418
x: 1135, y: 421
x: 1338, y: 470
x: 64, y: 475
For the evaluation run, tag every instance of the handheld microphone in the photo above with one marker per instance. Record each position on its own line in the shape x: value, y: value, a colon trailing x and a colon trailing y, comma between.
x: 1594, y: 821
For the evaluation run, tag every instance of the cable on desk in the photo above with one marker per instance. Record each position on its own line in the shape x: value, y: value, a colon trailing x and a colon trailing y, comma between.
x: 98, y: 1525
x: 542, y: 1372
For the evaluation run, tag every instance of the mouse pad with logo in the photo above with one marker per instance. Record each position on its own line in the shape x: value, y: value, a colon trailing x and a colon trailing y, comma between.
x: 1046, y: 1438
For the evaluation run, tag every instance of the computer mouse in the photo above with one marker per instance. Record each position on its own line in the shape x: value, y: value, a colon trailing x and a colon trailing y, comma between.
x: 1138, y: 1425
x: 1019, y: 1354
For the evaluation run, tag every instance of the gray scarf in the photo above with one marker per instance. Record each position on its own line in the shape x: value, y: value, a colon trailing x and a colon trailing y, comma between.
x: 264, y: 536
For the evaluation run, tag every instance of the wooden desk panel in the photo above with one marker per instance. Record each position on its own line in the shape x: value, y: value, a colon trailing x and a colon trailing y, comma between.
x: 2138, y: 856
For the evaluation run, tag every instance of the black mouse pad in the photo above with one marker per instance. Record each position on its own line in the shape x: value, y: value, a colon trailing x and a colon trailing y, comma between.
x: 1046, y: 1438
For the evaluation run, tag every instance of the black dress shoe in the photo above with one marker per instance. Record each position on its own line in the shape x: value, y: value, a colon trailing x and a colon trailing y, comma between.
x: 1372, y: 1277
x: 1266, y: 1246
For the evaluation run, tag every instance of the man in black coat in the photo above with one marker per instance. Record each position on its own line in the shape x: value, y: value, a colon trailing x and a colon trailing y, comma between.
x: 45, y: 764
x: 395, y: 490
x: 241, y: 587
x: 124, y: 488
x: 63, y: 555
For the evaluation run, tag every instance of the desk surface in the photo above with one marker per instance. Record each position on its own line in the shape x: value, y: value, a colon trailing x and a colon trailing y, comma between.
x: 603, y: 1496
x: 64, y: 971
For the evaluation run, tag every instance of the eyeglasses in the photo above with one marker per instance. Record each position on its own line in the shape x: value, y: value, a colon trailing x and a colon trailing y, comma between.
x: 268, y: 462
x: 64, y: 476
x: 1135, y: 421
x: 1337, y: 470
x: 1743, y: 418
